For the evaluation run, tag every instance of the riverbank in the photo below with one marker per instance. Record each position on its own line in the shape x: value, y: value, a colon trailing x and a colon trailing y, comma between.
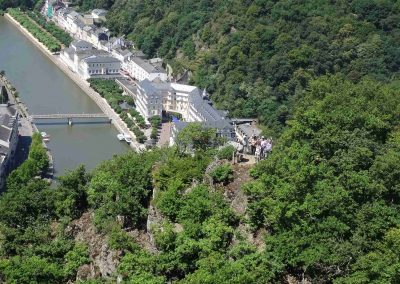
x: 81, y: 83
x: 26, y: 129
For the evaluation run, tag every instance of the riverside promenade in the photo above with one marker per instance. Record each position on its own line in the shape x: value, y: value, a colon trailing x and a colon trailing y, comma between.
x: 26, y: 128
x: 118, y: 123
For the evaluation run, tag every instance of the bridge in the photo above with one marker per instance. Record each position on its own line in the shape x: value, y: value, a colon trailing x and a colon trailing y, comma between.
x: 69, y: 116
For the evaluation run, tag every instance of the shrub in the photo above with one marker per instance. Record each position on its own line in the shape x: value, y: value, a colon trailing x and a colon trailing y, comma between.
x: 222, y: 174
x: 154, y: 133
x: 226, y: 153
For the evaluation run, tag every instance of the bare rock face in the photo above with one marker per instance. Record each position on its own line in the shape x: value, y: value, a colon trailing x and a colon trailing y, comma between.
x: 85, y: 272
x: 107, y: 261
x: 104, y: 260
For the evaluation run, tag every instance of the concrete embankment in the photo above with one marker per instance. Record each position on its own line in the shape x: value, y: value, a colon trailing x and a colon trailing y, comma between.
x: 83, y: 84
x: 26, y: 128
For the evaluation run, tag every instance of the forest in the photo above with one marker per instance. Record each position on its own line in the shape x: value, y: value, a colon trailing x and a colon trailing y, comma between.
x: 256, y: 58
x: 325, y: 203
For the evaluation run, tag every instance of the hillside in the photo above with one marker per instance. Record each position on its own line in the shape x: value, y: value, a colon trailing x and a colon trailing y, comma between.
x: 256, y: 58
x: 324, y: 207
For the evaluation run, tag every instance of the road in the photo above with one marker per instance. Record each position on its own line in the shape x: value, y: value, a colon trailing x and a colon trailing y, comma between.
x: 24, y: 141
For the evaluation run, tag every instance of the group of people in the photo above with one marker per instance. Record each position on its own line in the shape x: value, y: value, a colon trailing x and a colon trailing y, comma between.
x: 260, y: 147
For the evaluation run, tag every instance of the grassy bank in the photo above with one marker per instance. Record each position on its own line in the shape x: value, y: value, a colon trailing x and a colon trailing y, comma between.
x: 61, y: 35
x: 46, y: 39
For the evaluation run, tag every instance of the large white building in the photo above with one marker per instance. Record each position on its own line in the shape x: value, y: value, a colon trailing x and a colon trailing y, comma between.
x: 192, y: 105
x: 8, y: 139
x: 96, y: 66
x: 141, y: 69
x: 81, y: 26
x: 90, y: 63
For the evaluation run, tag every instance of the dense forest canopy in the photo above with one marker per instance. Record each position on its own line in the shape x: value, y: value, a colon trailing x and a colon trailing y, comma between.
x: 257, y: 57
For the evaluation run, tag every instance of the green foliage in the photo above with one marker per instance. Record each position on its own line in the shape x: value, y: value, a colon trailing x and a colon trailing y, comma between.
x: 256, y: 58
x: 122, y: 187
x: 137, y: 117
x: 47, y: 40
x: 139, y: 267
x: 61, y: 35
x: 226, y: 153
x: 110, y: 90
x: 31, y: 269
x: 75, y: 258
x: 4, y: 4
x: 30, y: 249
x: 71, y: 199
x: 120, y: 240
x: 36, y: 164
x: 329, y: 193
x: 37, y: 229
x: 197, y: 137
x: 222, y: 173
x: 380, y: 265
x: 155, y: 122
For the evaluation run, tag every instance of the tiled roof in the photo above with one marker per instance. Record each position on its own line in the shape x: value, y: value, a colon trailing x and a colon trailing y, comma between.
x: 101, y: 59
x: 146, y: 65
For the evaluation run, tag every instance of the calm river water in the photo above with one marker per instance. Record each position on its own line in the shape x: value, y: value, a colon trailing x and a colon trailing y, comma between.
x: 45, y: 89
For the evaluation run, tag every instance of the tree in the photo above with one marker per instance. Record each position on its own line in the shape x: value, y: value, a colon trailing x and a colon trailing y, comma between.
x: 196, y: 136
x: 324, y: 193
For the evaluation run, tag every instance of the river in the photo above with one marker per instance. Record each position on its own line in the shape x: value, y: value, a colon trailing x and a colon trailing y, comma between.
x: 45, y: 89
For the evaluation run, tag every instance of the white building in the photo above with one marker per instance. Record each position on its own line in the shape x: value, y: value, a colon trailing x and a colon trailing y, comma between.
x: 74, y: 23
x: 60, y: 17
x: 90, y: 63
x: 99, y: 14
x: 8, y: 139
x: 121, y: 54
x: 141, y: 69
x: 188, y: 102
x: 96, y: 66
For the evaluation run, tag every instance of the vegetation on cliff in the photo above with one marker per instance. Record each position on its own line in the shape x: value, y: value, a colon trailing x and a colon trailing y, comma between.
x: 325, y: 202
x: 257, y: 57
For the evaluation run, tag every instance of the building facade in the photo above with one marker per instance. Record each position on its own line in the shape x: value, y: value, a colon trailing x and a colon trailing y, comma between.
x: 192, y: 105
x: 96, y: 66
x: 81, y: 58
x: 8, y: 140
x: 141, y: 69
